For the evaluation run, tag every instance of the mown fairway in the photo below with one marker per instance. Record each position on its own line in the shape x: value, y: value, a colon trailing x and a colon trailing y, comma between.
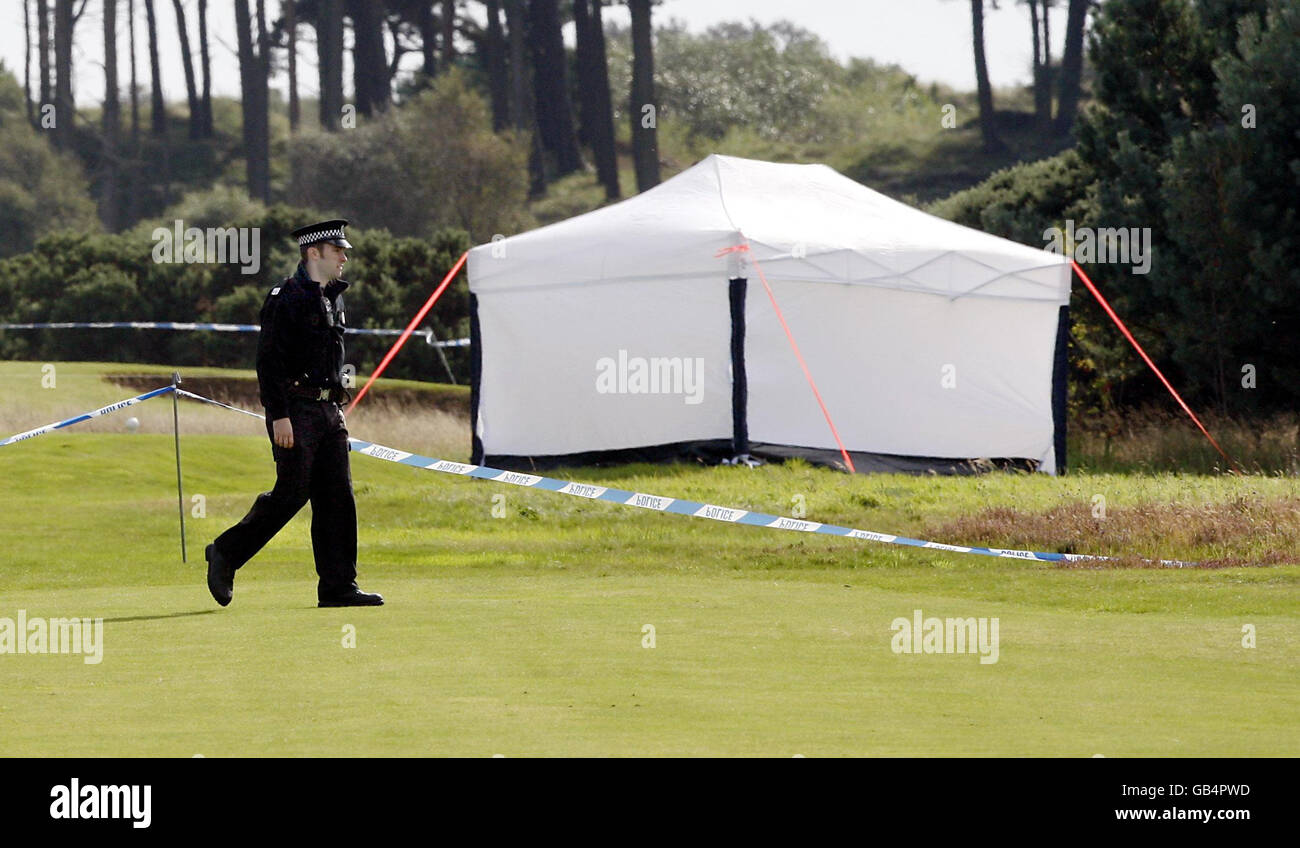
x: 523, y: 634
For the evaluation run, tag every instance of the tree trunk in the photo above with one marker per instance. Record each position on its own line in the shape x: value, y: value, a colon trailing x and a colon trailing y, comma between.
x: 1047, y: 35
x: 262, y: 141
x: 521, y: 104
x: 252, y: 83
x: 205, y: 100
x: 291, y: 23
x: 1071, y: 66
x: 187, y: 62
x: 369, y: 61
x: 63, y: 104
x: 43, y: 48
x: 131, y: 206
x: 643, y: 111
x: 583, y: 66
x: 988, y: 127
x: 448, y: 39
x: 1042, y: 92
x: 518, y: 64
x: 554, y: 109
x: 498, y: 82
x: 27, y: 62
x: 594, y: 91
x: 135, y: 87
x: 108, y: 208
x: 329, y: 46
x: 158, y: 118
x: 428, y: 38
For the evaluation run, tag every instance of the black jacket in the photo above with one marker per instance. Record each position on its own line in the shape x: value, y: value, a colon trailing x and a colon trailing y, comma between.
x: 301, y: 342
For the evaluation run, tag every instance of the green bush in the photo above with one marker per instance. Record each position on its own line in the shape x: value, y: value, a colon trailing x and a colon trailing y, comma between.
x: 41, y: 190
x: 433, y: 163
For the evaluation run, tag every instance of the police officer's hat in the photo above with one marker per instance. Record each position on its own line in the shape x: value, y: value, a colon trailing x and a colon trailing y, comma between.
x: 327, y: 231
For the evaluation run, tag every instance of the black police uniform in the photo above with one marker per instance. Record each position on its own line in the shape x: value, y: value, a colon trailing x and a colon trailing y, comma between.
x: 299, y: 372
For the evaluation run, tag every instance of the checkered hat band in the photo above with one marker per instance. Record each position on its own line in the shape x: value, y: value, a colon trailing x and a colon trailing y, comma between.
x: 319, y: 235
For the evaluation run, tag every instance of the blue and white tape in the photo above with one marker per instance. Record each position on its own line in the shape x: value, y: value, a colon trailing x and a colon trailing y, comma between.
x: 86, y: 416
x: 427, y: 334
x: 623, y: 497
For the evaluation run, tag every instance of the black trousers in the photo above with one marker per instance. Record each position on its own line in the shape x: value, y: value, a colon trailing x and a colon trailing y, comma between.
x: 315, y: 469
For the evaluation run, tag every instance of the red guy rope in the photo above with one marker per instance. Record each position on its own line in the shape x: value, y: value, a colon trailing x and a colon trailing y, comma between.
x: 744, y: 248
x: 1106, y: 306
x: 406, y: 334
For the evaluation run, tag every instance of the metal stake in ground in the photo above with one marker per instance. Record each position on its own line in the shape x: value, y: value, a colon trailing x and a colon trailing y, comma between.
x: 176, y: 430
x: 433, y: 340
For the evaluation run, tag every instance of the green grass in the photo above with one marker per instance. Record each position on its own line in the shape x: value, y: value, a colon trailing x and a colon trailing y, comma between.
x: 523, y: 634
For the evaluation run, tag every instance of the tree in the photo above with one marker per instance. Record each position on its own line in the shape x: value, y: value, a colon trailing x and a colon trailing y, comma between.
x: 187, y: 63
x: 158, y: 111
x: 1071, y: 66
x: 595, y: 108
x: 988, y: 119
x: 289, y: 9
x: 554, y: 109
x: 329, y: 47
x: 369, y: 60
x: 448, y: 21
x: 1042, y: 60
x: 521, y: 101
x: 205, y: 99
x: 254, y: 72
x: 43, y: 189
x: 63, y: 104
x: 643, y: 111
x: 1230, y: 189
x: 1176, y: 148
x: 386, y: 163
x: 109, y: 204
x: 518, y: 64
x: 27, y: 61
x: 495, y: 60
x: 135, y: 88
x: 43, y: 48
x: 428, y: 38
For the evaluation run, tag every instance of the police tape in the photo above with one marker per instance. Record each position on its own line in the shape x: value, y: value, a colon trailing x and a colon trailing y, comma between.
x: 622, y: 497
x: 218, y: 328
x: 86, y: 416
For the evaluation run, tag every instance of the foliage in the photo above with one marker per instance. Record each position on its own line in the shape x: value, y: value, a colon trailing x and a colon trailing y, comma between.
x: 41, y: 190
x: 432, y: 164
x: 1191, y: 138
x: 97, y: 277
x: 1172, y: 151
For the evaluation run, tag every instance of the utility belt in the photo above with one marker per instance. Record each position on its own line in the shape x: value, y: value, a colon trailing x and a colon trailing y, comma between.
x: 337, y: 394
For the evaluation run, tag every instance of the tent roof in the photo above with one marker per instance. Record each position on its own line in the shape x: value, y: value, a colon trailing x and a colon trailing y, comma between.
x: 803, y: 223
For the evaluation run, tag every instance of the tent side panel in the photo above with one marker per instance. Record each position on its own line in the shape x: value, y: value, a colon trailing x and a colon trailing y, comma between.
x: 903, y: 374
x: 580, y: 369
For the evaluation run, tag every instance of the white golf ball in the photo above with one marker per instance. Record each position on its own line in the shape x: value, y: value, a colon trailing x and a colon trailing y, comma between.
x: 133, y: 424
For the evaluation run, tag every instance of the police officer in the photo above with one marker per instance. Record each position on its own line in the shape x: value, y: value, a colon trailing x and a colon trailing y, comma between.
x: 299, y: 373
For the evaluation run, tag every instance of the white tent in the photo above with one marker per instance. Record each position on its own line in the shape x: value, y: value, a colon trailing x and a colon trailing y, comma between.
x: 630, y: 332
